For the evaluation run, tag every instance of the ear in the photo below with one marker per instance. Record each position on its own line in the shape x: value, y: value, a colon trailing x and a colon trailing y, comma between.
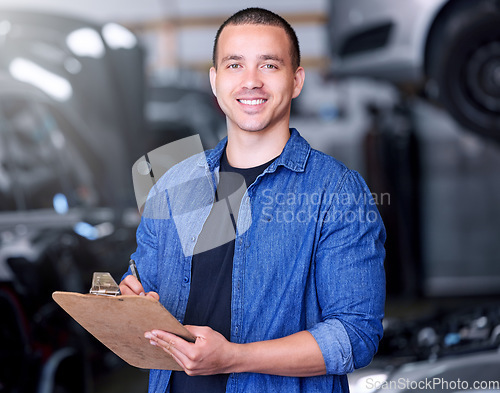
x: 298, y: 81
x: 213, y: 77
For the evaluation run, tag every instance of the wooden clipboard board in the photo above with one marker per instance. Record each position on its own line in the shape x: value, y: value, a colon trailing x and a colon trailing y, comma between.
x: 119, y: 322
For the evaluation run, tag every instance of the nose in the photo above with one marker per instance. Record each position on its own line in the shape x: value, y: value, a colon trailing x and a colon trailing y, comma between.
x: 252, y: 79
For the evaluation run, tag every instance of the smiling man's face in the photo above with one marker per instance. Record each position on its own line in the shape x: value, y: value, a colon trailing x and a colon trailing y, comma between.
x: 255, y: 81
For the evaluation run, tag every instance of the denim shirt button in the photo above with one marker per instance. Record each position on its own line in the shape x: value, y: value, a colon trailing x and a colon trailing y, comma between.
x: 193, y: 238
x: 186, y: 279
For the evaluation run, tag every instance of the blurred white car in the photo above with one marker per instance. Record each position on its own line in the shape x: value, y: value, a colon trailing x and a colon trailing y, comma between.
x: 476, y: 372
x: 449, y: 47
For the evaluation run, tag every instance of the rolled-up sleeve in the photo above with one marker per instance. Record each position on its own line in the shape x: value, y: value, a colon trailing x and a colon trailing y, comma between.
x: 350, y: 278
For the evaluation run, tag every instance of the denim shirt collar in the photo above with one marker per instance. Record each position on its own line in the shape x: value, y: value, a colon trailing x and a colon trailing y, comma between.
x: 294, y: 155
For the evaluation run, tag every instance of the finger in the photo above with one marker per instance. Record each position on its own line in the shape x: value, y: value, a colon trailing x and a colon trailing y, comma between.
x: 173, y: 340
x: 168, y: 344
x: 131, y: 286
x: 154, y: 295
x: 125, y: 289
x: 177, y: 357
x: 199, y: 331
x: 170, y: 347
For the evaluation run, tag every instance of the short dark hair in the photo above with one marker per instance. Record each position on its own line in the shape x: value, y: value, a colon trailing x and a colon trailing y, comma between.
x: 260, y: 16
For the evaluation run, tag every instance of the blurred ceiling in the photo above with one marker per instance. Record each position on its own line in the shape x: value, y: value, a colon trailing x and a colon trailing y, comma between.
x: 131, y: 11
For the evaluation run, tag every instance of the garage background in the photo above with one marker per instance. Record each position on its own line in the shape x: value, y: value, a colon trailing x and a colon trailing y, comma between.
x: 437, y: 181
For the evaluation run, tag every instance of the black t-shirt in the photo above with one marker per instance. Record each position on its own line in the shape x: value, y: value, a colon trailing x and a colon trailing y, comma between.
x: 209, y: 302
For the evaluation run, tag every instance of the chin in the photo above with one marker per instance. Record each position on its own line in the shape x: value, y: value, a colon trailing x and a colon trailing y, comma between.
x: 253, y: 127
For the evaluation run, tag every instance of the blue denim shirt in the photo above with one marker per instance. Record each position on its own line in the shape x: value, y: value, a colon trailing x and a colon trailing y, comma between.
x: 309, y: 255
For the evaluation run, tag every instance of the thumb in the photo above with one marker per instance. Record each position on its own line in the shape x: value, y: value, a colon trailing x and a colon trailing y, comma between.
x: 198, y: 331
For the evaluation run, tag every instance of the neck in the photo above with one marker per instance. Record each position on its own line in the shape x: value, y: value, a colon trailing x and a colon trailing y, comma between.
x: 251, y: 149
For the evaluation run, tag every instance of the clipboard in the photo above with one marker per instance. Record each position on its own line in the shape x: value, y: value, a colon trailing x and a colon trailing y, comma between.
x: 119, y: 322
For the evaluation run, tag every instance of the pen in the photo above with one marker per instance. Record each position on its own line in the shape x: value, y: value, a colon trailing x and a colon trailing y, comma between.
x: 133, y: 267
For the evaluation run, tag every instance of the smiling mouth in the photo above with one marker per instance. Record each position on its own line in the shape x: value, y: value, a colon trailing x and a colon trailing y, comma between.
x: 252, y: 102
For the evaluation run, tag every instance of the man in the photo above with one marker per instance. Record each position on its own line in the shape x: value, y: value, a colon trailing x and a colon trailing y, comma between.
x: 300, y: 286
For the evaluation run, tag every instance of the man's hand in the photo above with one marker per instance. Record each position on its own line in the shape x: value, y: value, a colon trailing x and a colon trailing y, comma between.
x: 297, y: 355
x: 210, y: 354
x: 131, y: 286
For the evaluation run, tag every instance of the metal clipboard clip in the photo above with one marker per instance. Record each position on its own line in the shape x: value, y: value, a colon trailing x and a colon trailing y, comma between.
x: 103, y: 284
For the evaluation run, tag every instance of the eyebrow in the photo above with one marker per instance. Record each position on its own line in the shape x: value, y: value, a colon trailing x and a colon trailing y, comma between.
x: 261, y: 57
x: 231, y: 57
x: 272, y: 57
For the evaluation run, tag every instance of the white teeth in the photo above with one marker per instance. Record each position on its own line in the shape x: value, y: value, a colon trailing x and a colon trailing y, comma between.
x: 252, y: 102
